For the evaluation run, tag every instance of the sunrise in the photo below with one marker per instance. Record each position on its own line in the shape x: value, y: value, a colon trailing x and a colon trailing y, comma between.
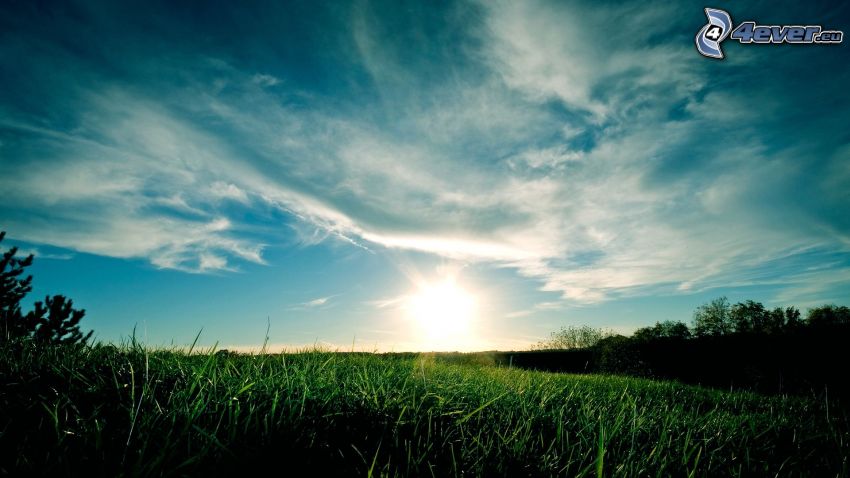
x: 481, y: 215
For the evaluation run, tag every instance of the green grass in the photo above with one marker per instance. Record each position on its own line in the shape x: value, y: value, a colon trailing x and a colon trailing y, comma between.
x: 112, y: 411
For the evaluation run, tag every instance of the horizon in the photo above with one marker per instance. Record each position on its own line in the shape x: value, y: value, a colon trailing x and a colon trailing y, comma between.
x: 379, y: 177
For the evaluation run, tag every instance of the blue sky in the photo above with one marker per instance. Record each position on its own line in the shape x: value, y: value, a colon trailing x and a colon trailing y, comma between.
x: 305, y: 166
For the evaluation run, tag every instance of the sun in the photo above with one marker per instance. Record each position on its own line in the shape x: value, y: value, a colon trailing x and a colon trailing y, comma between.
x: 443, y: 313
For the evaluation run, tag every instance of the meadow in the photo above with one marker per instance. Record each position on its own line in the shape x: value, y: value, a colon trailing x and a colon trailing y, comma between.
x: 131, y: 411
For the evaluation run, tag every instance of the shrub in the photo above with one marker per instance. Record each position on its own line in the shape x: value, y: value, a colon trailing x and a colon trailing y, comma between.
x: 573, y: 337
x: 663, y: 330
x: 618, y: 354
x: 54, y: 321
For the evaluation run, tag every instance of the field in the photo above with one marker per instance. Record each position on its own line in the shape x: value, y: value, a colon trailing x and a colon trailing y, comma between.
x: 107, y: 410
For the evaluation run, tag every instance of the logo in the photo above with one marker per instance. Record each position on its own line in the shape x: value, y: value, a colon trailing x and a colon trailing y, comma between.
x: 719, y: 27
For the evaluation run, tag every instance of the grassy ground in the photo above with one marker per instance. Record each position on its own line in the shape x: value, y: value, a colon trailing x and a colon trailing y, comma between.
x: 111, y: 411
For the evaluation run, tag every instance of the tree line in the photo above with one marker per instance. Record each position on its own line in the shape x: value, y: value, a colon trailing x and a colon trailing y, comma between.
x: 713, y: 319
x: 743, y: 345
x: 719, y: 318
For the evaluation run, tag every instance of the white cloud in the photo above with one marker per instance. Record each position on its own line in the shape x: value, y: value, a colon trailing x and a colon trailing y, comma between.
x: 111, y: 191
x: 24, y: 252
x: 319, y: 302
x: 566, y: 51
x: 230, y: 191
x: 391, y: 303
x: 478, y: 168
x: 547, y: 157
x: 265, y: 80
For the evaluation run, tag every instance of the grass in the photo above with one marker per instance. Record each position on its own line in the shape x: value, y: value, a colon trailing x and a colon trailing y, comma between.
x: 114, y: 411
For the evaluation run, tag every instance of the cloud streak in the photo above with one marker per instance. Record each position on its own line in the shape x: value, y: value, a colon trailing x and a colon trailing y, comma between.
x: 516, y: 136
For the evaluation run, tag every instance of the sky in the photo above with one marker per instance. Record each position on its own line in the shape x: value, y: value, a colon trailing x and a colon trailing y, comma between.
x: 294, y: 172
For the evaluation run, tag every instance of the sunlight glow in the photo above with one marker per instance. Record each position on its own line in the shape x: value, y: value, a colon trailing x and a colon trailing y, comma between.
x: 443, y: 314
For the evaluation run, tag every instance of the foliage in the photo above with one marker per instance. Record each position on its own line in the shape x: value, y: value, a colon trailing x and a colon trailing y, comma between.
x: 118, y: 411
x: 53, y: 321
x: 713, y: 318
x: 617, y: 354
x: 13, y: 288
x: 828, y: 315
x: 718, y: 318
x: 792, y: 319
x: 668, y: 329
x: 574, y: 337
x: 748, y: 316
x: 744, y: 346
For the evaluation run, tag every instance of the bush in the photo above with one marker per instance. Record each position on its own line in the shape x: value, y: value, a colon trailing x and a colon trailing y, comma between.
x: 618, y: 354
x: 573, y: 337
x: 54, y: 321
x: 663, y: 330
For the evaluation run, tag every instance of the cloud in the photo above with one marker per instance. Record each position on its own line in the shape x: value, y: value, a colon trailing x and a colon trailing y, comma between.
x: 120, y: 201
x: 599, y: 166
x: 265, y: 80
x: 319, y: 302
x: 228, y: 191
x: 24, y: 252
x: 393, y: 302
x: 552, y: 157
x: 550, y: 50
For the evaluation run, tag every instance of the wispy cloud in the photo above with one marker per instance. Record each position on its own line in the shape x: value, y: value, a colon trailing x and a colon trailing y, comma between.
x: 316, y: 302
x: 319, y: 302
x: 24, y: 252
x: 393, y: 302
x: 598, y: 166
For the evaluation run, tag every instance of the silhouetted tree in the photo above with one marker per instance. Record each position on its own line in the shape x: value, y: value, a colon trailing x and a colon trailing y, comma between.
x: 667, y: 329
x: 828, y: 315
x: 713, y: 318
x: 573, y: 337
x: 676, y: 330
x: 646, y: 333
x: 13, y: 288
x: 774, y: 321
x: 792, y: 319
x: 748, y: 316
x: 53, y: 321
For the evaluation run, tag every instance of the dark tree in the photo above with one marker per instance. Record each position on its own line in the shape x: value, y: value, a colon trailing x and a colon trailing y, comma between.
x: 53, y: 321
x: 775, y: 321
x: 828, y: 315
x: 13, y: 288
x: 668, y: 329
x: 792, y: 319
x: 713, y: 318
x: 675, y: 329
x: 749, y: 316
x: 646, y: 333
